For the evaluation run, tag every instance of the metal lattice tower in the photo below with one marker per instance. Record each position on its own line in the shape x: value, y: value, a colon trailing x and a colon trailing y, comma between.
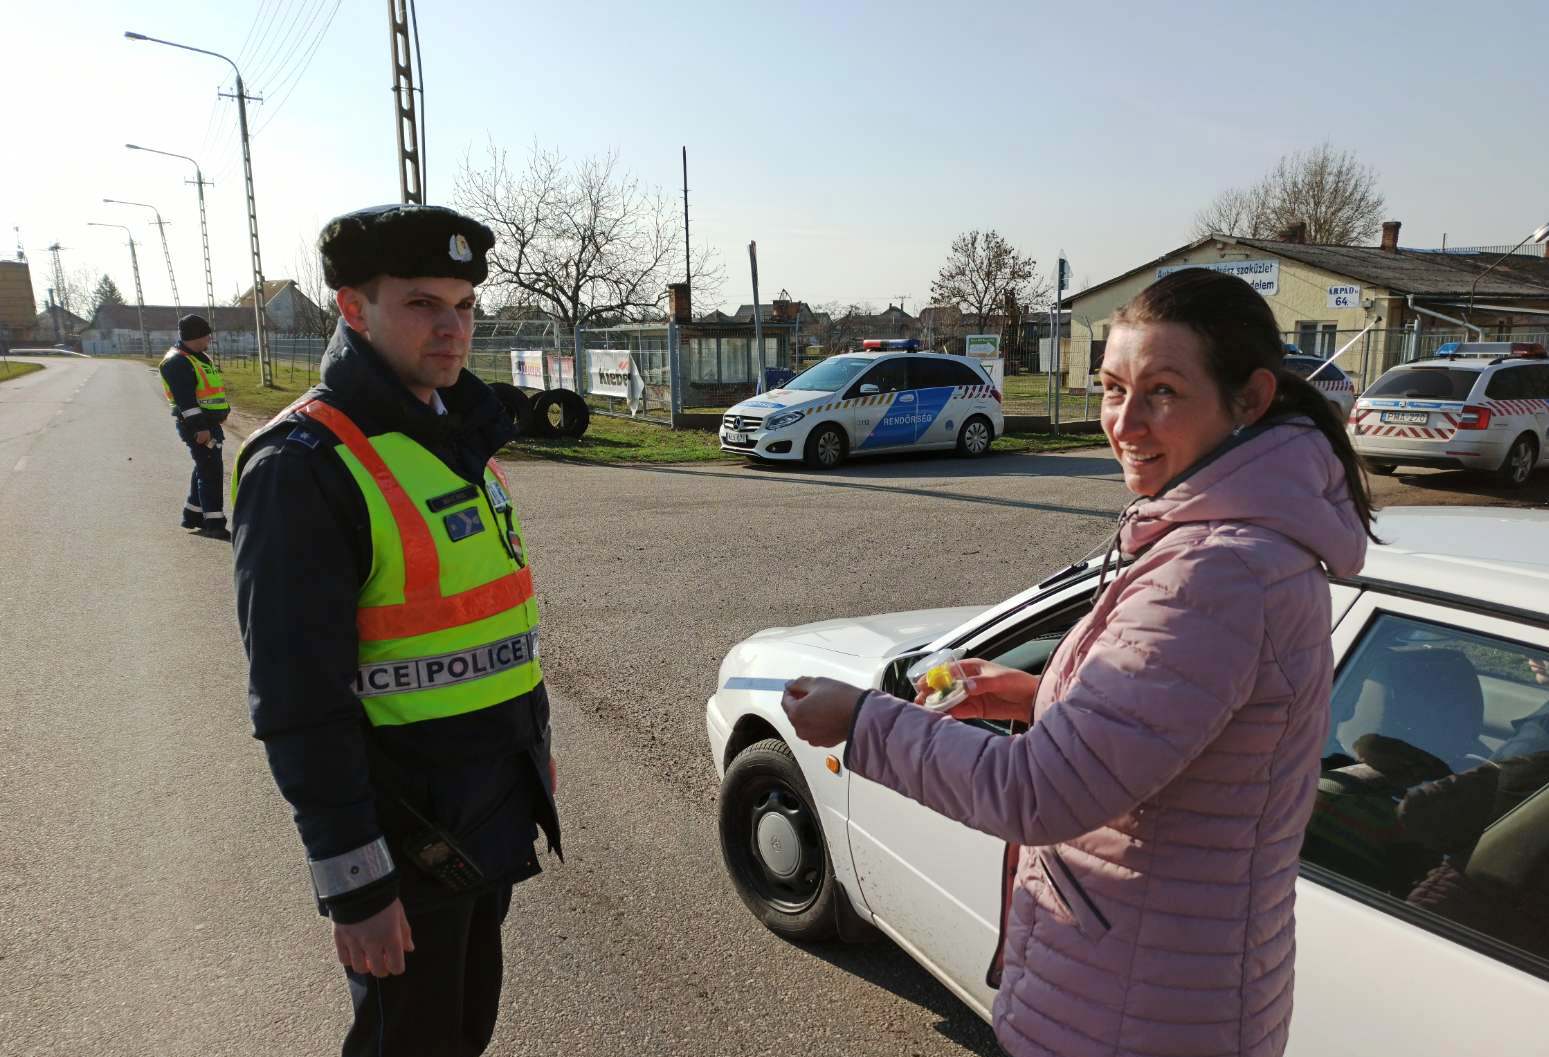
x: 265, y: 368
x: 411, y: 173
x: 59, y: 277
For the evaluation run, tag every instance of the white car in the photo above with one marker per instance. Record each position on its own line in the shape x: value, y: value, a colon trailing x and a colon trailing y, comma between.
x: 869, y: 402
x: 1458, y: 412
x: 1327, y: 379
x: 1423, y: 930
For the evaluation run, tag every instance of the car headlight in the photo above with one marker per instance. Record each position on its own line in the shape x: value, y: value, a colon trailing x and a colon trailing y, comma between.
x: 789, y: 418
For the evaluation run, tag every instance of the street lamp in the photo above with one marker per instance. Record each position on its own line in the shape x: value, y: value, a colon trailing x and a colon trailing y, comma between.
x: 177, y: 302
x: 266, y: 371
x: 139, y: 296
x: 204, y: 233
x: 1538, y: 234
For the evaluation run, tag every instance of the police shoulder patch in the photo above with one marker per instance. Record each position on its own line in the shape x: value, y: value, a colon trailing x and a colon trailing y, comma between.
x: 303, y: 436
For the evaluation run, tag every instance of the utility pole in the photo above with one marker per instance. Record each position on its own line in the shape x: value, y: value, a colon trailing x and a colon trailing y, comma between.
x: 688, y: 257
x: 177, y: 302
x: 266, y: 370
x: 411, y: 171
x: 758, y: 314
x: 204, y: 234
x: 1061, y: 268
x: 57, y: 292
x: 139, y: 294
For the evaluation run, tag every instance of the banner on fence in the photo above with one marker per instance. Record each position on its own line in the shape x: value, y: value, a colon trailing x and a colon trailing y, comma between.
x: 611, y: 372
x: 527, y: 368
x: 561, y: 371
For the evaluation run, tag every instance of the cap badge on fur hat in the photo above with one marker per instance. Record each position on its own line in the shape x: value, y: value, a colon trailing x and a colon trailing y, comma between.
x: 459, y: 250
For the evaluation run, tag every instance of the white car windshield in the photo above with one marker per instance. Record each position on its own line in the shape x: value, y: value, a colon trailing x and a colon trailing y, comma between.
x: 830, y: 376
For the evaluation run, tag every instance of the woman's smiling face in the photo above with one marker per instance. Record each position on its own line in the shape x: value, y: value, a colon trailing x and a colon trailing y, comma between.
x: 1162, y: 411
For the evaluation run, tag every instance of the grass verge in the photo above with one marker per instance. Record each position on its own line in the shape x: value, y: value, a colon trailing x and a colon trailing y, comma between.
x: 15, y: 369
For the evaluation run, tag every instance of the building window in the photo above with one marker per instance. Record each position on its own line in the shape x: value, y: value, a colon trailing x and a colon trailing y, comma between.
x: 1316, y: 338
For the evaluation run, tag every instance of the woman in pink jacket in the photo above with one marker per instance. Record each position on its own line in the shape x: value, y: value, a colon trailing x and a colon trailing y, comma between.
x: 1159, y: 797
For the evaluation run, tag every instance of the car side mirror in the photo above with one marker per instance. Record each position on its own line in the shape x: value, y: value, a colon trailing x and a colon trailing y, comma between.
x: 869, y: 390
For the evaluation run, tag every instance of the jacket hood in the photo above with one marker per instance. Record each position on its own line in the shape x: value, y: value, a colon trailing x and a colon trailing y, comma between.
x: 1286, y: 479
x: 356, y: 378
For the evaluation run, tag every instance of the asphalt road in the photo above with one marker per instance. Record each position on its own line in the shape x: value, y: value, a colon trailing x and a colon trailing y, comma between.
x: 152, y: 897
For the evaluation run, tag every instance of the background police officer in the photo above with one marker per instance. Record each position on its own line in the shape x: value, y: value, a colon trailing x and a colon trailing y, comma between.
x: 386, y: 606
x: 198, y: 397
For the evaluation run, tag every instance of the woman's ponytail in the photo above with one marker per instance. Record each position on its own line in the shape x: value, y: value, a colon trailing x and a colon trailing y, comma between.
x: 1295, y: 395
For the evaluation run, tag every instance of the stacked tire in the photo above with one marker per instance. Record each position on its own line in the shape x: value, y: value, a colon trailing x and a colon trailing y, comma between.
x: 552, y: 413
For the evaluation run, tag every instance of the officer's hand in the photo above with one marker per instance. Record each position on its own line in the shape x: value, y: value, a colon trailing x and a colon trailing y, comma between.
x: 376, y: 945
x: 202, y: 437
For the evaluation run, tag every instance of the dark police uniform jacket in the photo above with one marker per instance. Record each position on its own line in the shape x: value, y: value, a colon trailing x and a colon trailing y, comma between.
x: 303, y: 550
x: 179, y: 375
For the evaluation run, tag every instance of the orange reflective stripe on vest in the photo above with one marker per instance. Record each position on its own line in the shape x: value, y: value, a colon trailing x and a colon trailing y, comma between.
x: 424, y: 608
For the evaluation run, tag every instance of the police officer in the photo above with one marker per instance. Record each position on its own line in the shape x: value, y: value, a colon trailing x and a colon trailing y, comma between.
x: 197, y: 394
x: 387, y: 608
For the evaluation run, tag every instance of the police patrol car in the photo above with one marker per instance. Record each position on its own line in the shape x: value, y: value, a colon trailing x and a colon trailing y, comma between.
x: 1325, y: 377
x: 883, y: 399
x: 1482, y: 406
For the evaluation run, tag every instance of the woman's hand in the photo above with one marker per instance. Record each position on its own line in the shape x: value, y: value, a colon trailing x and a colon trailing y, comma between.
x: 820, y: 710
x: 995, y: 692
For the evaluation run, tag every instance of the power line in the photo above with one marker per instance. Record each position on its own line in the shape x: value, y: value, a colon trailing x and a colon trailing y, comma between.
x: 301, y: 71
x: 258, y: 14
x: 276, y: 68
x: 280, y: 77
x: 259, y: 49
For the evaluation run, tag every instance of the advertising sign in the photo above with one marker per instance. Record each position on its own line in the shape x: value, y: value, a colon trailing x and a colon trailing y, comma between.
x: 985, y: 346
x: 527, y: 368
x: 561, y: 371
x: 1263, y: 276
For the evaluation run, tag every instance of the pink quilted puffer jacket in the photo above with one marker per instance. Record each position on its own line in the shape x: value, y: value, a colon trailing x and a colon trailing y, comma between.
x: 1160, y: 796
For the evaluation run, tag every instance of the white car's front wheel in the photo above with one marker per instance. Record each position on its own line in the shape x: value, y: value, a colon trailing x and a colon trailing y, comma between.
x: 826, y: 447
x: 772, y: 843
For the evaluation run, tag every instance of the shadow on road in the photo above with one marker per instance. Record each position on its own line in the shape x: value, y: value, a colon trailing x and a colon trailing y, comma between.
x: 1457, y: 487
x: 885, y: 965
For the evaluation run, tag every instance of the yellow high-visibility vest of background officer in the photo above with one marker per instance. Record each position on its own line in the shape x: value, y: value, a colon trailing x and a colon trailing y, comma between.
x: 386, y: 603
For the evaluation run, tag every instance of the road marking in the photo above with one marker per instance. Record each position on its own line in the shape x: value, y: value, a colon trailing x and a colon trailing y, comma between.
x: 21, y: 464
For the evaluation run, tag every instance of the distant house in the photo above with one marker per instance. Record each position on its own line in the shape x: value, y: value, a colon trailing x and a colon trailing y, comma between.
x: 57, y: 324
x: 782, y: 311
x: 288, y: 310
x: 848, y: 331
x: 114, y: 330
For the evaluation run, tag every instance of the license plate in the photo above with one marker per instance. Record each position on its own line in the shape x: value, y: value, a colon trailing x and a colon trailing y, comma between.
x: 1406, y: 418
x: 736, y: 438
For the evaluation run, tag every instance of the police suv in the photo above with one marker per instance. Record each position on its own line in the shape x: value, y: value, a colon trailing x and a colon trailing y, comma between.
x: 1479, y: 405
x: 878, y: 400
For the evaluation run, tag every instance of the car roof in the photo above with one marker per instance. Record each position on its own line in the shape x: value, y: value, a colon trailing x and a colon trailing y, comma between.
x: 1462, y: 365
x: 1495, y: 554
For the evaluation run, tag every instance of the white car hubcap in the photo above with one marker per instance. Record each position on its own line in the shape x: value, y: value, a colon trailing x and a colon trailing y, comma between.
x: 778, y: 845
x: 978, y: 438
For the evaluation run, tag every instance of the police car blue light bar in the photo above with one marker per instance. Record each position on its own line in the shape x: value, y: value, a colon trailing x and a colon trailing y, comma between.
x: 892, y: 344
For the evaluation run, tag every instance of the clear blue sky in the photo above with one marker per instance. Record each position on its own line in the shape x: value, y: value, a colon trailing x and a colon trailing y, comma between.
x: 851, y: 139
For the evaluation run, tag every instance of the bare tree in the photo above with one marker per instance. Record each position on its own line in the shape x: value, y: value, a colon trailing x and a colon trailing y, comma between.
x: 1328, y: 190
x: 982, y: 271
x: 317, y: 316
x: 586, y: 242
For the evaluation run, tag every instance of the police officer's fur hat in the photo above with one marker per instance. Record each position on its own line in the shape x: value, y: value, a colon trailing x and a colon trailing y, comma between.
x: 408, y: 241
x: 192, y: 327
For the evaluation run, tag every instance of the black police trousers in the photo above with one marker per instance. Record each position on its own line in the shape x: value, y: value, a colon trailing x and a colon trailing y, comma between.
x: 205, y: 507
x: 447, y: 999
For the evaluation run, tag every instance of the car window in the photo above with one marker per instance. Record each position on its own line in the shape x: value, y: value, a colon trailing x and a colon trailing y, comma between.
x: 1425, y: 383
x: 889, y: 376
x: 1508, y: 383
x: 932, y: 373
x: 1030, y: 646
x: 1435, y: 782
x: 830, y: 376
x: 1538, y: 382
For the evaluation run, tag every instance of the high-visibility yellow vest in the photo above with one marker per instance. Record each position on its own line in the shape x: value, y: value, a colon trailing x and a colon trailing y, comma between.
x: 209, y: 387
x: 446, y: 619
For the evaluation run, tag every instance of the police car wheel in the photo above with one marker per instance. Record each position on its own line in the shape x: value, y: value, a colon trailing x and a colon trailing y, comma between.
x: 1517, y: 468
x: 772, y: 844
x: 826, y: 447
x: 974, y: 438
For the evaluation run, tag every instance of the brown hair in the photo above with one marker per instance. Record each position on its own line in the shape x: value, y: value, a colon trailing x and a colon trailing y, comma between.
x: 1239, y: 335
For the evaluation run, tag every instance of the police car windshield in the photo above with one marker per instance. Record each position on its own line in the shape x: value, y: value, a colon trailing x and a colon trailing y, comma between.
x: 1426, y: 383
x: 1303, y: 366
x: 830, y: 376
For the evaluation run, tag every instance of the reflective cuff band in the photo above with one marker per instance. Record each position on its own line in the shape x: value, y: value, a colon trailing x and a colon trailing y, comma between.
x: 191, y: 412
x: 352, y: 870
x: 445, y: 669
